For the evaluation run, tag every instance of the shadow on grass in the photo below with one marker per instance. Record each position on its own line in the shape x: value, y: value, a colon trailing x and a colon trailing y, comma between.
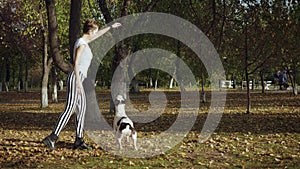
x: 30, y: 121
x: 244, y: 123
x: 28, y: 143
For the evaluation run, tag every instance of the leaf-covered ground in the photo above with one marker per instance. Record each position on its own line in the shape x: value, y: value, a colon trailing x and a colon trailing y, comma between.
x: 269, y: 137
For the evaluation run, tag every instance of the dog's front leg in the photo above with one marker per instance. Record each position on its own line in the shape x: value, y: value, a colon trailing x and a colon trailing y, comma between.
x: 134, y: 138
x: 119, y: 140
x: 115, y: 126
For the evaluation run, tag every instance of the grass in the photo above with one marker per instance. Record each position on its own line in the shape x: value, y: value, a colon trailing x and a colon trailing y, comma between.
x: 269, y: 137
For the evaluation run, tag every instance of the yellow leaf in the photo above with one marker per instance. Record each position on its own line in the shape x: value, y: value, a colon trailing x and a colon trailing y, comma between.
x: 131, y: 163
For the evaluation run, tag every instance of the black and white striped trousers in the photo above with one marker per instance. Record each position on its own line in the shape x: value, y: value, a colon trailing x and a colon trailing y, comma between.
x: 74, y: 102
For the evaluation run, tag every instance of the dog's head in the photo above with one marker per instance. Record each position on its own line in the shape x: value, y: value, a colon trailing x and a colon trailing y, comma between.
x: 119, y: 100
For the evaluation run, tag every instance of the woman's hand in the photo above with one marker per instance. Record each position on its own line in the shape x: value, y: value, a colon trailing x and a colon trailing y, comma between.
x: 116, y: 25
x: 104, y: 30
x: 79, y: 87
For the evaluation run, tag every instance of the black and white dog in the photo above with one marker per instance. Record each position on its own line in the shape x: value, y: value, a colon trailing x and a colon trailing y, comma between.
x: 123, y: 126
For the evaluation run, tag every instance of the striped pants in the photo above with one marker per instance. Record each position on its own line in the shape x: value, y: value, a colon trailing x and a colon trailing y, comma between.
x: 74, y: 102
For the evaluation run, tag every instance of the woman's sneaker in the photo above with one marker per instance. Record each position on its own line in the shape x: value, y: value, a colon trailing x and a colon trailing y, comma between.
x: 80, y: 144
x: 50, y: 141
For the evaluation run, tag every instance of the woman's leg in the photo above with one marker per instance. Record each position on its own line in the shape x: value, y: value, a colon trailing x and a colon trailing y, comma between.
x: 80, y: 114
x: 72, y: 98
x: 65, y: 116
x: 81, y: 109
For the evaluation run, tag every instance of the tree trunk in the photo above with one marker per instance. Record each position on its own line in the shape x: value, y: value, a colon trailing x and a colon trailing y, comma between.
x: 118, y: 85
x: 134, y: 87
x: 233, y: 81
x: 171, y: 81
x: 172, y: 77
x: 248, y: 94
x: 26, y: 73
x: 6, y: 85
x: 20, y: 76
x: 150, y: 82
x: 2, y: 73
x: 121, y: 51
x: 295, y: 90
x: 7, y: 77
x: 149, y: 78
x: 177, y: 65
x: 54, y: 84
x: 74, y: 31
x: 156, y: 80
x: 292, y: 77
x: 44, y: 89
x: 105, y: 11
x: 156, y: 84
x: 246, y: 71
x: 261, y: 74
x: 53, y: 37
x: 45, y: 78
x: 203, y: 95
x: 13, y: 79
x: 61, y: 84
x: 178, y: 75
x: 46, y: 65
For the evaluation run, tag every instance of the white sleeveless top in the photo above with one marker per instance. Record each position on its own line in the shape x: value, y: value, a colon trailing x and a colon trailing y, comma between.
x: 85, y: 59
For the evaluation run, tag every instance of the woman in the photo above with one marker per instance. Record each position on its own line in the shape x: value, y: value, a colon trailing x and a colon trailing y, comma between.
x: 76, y: 96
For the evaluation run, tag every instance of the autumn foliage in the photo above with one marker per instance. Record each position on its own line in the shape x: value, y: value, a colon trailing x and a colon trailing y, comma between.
x: 267, y: 138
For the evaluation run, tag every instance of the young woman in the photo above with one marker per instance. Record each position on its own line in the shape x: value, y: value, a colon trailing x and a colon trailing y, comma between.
x: 76, y: 95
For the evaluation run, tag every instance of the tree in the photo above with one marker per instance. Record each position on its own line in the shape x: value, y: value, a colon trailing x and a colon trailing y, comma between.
x: 57, y: 46
x: 47, y: 62
x: 122, y: 49
x: 287, y: 14
x: 19, y: 33
x: 74, y: 30
x: 53, y: 37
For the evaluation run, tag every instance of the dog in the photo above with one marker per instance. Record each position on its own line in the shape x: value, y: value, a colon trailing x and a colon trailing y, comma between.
x: 122, y: 125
